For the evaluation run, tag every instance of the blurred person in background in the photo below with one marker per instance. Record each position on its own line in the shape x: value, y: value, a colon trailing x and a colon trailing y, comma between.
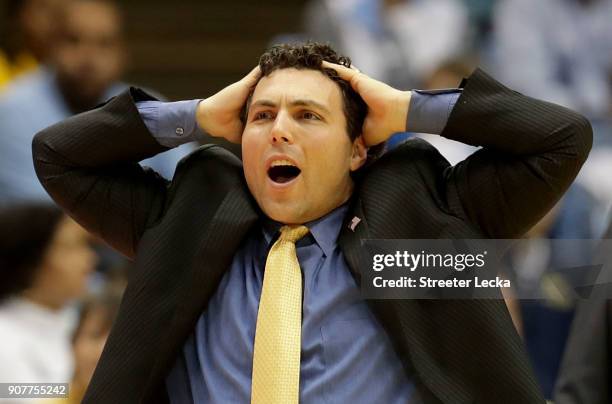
x: 481, y: 22
x: 584, y: 375
x: 86, y: 64
x: 397, y: 41
x: 28, y: 35
x: 559, y: 51
x: 542, y: 275
x: 96, y: 319
x: 45, y: 262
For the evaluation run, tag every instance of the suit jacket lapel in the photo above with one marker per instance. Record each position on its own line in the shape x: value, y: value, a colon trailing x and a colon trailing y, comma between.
x: 399, y: 318
x: 234, y: 218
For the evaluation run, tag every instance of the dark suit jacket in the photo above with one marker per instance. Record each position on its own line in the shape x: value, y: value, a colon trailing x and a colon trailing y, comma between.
x: 184, y: 233
x: 584, y: 376
x: 586, y: 371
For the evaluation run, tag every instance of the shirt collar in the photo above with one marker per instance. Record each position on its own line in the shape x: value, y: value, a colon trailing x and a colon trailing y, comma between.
x: 325, y: 230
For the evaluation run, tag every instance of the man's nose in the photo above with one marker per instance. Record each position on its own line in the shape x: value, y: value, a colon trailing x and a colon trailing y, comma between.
x: 281, y: 130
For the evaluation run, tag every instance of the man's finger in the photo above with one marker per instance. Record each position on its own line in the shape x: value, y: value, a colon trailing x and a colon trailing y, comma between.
x: 352, y: 75
x: 253, y: 77
x: 344, y: 72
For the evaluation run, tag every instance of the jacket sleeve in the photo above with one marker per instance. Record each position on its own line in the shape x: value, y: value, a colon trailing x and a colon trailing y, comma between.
x: 89, y: 165
x: 531, y: 152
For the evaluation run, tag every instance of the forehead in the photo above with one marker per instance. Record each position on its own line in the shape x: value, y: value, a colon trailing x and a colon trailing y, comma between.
x: 289, y: 84
x: 92, y: 17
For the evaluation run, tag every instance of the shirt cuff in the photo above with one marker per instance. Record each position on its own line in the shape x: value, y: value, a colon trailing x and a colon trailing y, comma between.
x: 171, y: 123
x: 429, y: 110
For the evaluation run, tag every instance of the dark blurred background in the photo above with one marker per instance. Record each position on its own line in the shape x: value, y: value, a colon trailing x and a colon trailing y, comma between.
x: 191, y: 48
x: 197, y: 48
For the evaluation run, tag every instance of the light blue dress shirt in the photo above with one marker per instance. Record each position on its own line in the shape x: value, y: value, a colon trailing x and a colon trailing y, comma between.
x: 346, y: 356
x: 28, y: 105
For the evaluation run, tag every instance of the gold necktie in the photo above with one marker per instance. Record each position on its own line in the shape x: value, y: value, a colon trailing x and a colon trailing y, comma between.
x: 276, y: 355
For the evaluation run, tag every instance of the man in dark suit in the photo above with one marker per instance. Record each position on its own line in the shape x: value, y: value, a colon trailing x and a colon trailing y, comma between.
x: 584, y: 374
x: 187, y: 324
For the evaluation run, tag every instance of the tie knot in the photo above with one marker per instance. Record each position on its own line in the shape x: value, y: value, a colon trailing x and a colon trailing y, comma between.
x: 293, y: 233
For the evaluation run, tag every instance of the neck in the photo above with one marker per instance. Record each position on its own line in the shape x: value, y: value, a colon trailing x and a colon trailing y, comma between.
x: 348, y: 192
x: 76, y: 102
x: 43, y: 300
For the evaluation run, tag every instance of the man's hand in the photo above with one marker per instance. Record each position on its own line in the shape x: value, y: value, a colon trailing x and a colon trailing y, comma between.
x: 387, y: 107
x: 219, y: 115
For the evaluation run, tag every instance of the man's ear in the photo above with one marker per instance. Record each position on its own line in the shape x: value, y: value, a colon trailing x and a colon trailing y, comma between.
x: 359, y: 153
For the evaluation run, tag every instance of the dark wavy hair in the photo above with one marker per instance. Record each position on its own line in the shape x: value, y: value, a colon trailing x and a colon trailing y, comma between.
x: 309, y: 56
x: 25, y: 234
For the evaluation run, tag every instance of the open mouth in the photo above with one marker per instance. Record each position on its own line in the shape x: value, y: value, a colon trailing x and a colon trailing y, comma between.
x: 283, y: 171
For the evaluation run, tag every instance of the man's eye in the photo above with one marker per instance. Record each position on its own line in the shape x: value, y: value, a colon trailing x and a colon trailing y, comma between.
x: 262, y: 115
x: 310, y: 116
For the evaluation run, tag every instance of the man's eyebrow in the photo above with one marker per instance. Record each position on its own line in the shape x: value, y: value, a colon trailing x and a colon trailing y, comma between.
x: 309, y: 103
x: 298, y: 102
x: 263, y: 103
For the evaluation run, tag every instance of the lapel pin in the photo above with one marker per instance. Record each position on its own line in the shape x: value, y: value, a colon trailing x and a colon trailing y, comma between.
x: 354, y: 222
